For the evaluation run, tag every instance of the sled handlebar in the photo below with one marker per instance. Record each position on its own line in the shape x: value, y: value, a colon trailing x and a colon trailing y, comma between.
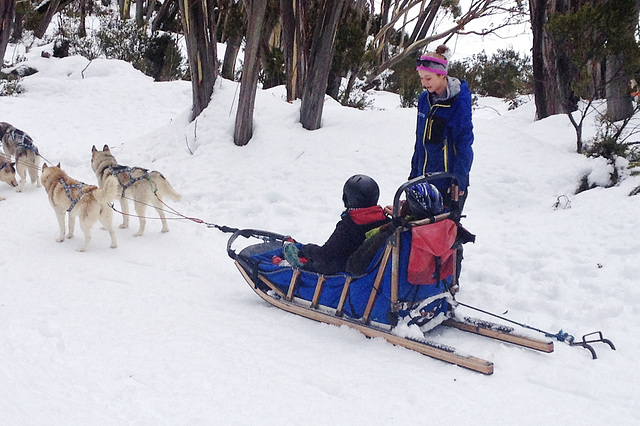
x: 429, y: 177
x: 255, y: 233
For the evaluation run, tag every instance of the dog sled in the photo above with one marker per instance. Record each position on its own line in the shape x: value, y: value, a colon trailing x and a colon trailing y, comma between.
x: 407, y: 290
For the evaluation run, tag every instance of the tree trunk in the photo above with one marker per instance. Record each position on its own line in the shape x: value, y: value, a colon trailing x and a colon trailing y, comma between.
x: 551, y: 75
x: 425, y: 20
x: 165, y: 14
x: 51, y: 9
x: 125, y: 9
x: 232, y: 30
x: 295, y: 49
x: 246, y: 101
x: 151, y: 7
x: 18, y: 27
x: 383, y: 53
x: 82, y: 25
x: 199, y: 29
x: 7, y: 13
x: 333, y: 85
x: 537, y: 12
x: 230, y: 57
x: 289, y: 47
x: 302, y: 46
x: 619, y: 105
x: 319, y: 64
x: 139, y: 12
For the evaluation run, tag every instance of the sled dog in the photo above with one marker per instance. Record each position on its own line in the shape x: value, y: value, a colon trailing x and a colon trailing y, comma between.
x: 19, y: 145
x: 7, y: 172
x: 143, y: 186
x: 87, y: 202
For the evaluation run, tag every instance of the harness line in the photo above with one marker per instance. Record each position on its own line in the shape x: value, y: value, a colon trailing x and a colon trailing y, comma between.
x: 12, y: 158
x: 223, y: 228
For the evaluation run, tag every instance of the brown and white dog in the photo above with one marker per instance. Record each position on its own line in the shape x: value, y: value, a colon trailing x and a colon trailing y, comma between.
x: 87, y: 202
x: 143, y: 186
x: 7, y: 172
x: 20, y: 146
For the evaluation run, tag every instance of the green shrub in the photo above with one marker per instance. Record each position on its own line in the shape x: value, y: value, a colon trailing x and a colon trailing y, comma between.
x: 162, y: 58
x: 122, y: 39
x: 10, y: 87
x: 504, y: 75
x: 405, y: 81
x: 157, y: 56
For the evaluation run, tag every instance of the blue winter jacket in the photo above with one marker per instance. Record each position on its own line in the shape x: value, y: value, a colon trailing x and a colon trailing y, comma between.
x: 444, y: 134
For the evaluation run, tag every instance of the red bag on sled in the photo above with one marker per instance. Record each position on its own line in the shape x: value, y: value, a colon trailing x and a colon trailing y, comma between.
x: 431, y: 244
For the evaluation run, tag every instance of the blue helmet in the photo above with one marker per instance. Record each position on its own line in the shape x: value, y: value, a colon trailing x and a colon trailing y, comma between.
x: 424, y: 200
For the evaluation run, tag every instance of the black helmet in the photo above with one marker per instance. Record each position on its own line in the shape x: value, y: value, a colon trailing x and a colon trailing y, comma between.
x: 360, y: 191
x: 424, y: 200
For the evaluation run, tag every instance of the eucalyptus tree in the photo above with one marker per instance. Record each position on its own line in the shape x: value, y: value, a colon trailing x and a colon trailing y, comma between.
x: 7, y: 13
x: 198, y: 24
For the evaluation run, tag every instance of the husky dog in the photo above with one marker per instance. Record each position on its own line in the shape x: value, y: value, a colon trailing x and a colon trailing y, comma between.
x: 88, y: 202
x: 19, y: 145
x: 7, y: 172
x: 143, y: 186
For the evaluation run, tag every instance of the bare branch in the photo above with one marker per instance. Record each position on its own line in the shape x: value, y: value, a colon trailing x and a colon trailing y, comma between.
x: 477, y: 9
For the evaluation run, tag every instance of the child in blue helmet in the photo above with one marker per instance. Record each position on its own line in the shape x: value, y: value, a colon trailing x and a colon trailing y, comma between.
x: 422, y: 200
x: 360, y: 196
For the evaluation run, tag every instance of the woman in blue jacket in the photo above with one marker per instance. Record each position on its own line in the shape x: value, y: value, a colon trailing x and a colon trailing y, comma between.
x: 444, y: 133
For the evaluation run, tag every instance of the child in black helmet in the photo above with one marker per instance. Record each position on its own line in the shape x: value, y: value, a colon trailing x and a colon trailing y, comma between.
x: 360, y: 196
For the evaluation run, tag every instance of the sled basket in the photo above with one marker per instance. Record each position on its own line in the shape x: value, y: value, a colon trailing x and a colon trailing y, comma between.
x: 407, y: 270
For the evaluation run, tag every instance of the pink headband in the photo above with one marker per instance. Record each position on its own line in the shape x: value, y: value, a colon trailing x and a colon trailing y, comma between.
x: 432, y: 64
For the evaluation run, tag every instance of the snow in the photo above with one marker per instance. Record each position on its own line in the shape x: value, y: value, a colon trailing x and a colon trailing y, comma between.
x: 163, y: 330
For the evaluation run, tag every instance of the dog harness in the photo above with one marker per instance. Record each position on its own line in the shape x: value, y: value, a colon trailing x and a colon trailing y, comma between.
x: 68, y: 188
x: 118, y: 169
x: 24, y: 141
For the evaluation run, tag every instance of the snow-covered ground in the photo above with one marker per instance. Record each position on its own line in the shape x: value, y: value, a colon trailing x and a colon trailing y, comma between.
x: 163, y: 330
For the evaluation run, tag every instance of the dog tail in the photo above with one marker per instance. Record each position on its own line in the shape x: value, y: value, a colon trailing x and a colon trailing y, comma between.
x: 109, y: 192
x: 163, y: 187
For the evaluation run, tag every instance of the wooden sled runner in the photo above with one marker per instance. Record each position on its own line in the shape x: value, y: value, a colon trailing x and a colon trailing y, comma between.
x: 386, y: 298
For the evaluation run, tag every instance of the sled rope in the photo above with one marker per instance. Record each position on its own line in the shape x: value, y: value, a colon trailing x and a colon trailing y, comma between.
x: 223, y: 228
x: 560, y: 335
x: 12, y: 158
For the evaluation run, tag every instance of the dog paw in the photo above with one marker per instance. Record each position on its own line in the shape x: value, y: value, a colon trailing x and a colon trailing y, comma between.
x: 82, y: 249
x: 60, y: 240
x: 123, y: 226
x: 138, y: 234
x: 113, y: 246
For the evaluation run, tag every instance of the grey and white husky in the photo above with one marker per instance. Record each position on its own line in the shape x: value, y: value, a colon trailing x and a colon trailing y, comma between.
x: 7, y: 172
x: 141, y: 185
x: 20, y: 146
